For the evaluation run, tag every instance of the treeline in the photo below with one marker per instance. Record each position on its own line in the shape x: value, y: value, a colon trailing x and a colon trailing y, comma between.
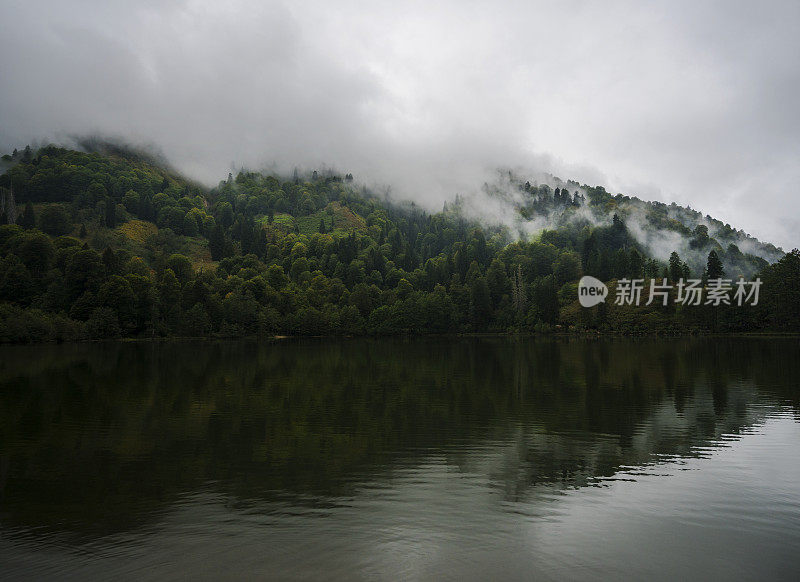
x: 111, y: 246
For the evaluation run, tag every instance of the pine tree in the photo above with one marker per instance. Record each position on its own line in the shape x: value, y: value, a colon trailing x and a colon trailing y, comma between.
x: 675, y: 267
x: 714, y: 266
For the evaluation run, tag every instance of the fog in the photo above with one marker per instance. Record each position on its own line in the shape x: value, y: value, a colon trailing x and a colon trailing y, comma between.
x: 671, y: 101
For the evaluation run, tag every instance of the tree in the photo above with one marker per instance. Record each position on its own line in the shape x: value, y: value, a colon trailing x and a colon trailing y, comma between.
x: 621, y: 264
x: 781, y: 290
x: 225, y: 214
x: 714, y: 266
x: 170, y: 296
x: 276, y: 277
x: 83, y: 307
x: 116, y: 294
x: 216, y: 243
x: 111, y: 213
x: 16, y: 283
x: 28, y: 218
x: 196, y: 321
x: 699, y: 237
x: 241, y: 313
x: 35, y: 249
x: 190, y: 227
x: 518, y: 293
x: 546, y: 300
x: 675, y: 267
x: 567, y: 267
x: 85, y: 271
x: 300, y: 266
x: 96, y: 192
x: 497, y: 280
x: 54, y: 220
x: 635, y: 265
x: 110, y: 260
x: 103, y: 323
x: 146, y: 210
x: 480, y: 303
x: 181, y: 267
x: 132, y: 202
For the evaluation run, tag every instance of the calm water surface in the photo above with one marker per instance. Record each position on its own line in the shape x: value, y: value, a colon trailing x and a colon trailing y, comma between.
x: 457, y: 459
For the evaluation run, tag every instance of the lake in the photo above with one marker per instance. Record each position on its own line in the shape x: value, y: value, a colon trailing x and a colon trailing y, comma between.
x: 417, y: 459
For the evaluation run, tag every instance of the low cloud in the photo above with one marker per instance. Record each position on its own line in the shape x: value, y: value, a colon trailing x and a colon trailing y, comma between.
x: 671, y: 100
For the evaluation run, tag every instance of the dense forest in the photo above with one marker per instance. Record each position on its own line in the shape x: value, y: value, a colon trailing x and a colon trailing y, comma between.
x: 108, y: 243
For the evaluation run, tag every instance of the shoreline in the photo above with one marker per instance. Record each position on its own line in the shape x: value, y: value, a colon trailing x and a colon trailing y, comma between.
x: 409, y: 336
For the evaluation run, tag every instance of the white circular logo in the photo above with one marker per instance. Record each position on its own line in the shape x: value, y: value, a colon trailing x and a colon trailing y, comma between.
x: 591, y: 291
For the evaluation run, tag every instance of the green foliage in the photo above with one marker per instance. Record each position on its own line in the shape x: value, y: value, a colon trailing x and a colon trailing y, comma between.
x: 54, y: 220
x: 18, y: 325
x: 103, y: 324
x: 259, y: 255
x: 781, y: 283
x: 714, y: 268
x: 28, y: 218
x: 181, y: 267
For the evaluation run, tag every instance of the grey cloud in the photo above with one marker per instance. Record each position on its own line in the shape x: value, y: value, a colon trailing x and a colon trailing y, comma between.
x: 685, y: 101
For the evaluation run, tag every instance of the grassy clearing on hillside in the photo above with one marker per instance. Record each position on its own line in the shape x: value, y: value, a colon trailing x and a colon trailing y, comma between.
x: 337, y: 218
x: 196, y: 248
x: 138, y: 230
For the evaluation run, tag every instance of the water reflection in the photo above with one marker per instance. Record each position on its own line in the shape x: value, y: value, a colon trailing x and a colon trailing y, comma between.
x: 129, y: 426
x: 107, y: 440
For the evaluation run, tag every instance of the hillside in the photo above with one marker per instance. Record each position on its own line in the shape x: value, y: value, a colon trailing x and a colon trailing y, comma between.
x: 659, y: 229
x: 112, y: 243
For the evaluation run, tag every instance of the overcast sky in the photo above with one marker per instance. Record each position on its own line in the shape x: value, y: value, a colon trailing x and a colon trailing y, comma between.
x: 694, y: 102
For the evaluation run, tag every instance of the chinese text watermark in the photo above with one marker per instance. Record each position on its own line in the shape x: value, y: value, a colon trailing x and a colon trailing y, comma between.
x: 715, y: 292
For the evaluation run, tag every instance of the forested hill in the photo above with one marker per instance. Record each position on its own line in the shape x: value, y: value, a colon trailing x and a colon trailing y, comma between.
x: 109, y: 243
x: 658, y: 227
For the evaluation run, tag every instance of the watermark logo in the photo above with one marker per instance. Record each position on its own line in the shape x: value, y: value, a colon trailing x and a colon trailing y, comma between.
x: 715, y: 292
x: 591, y: 291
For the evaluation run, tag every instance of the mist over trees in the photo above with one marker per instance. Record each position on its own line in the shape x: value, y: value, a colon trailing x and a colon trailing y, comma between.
x: 658, y: 229
x: 113, y: 245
